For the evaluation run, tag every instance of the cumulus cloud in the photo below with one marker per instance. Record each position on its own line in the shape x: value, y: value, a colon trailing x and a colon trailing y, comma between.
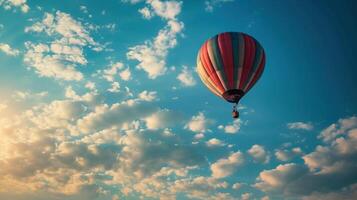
x: 8, y: 50
x: 64, y: 54
x: 199, y: 123
x: 163, y: 119
x: 8, y: 4
x: 259, y: 154
x: 328, y: 168
x: 231, y: 128
x: 227, y: 166
x: 186, y: 77
x: 148, y: 95
x: 115, y: 115
x: 115, y: 87
x: 51, y: 161
x: 236, y: 186
x: 125, y: 74
x: 89, y: 96
x: 300, y: 126
x: 110, y: 73
x: 286, y: 155
x: 338, y: 129
x: 146, y: 13
x: 152, y: 54
x: 25, y: 95
x: 277, y: 179
x: 214, y: 142
x: 211, y: 4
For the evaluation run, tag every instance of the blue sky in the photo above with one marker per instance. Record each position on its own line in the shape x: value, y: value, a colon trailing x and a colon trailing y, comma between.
x: 101, y: 100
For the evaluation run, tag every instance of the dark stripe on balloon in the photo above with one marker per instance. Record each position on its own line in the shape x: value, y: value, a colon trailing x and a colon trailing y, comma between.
x: 256, y: 62
x: 258, y: 74
x: 235, y: 54
x: 225, y: 47
x: 248, y: 60
x: 241, y: 54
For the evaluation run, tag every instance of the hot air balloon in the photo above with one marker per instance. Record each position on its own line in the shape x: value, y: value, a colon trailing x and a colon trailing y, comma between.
x: 229, y: 64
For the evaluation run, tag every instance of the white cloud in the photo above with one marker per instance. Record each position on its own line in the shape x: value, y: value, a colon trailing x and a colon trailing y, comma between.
x: 236, y: 186
x: 8, y: 4
x: 328, y: 168
x: 246, y: 196
x: 276, y: 179
x: 146, y: 13
x: 148, y: 95
x: 152, y: 54
x: 286, y: 155
x: 8, y: 50
x: 199, y: 123
x: 115, y: 115
x: 227, y: 166
x: 232, y: 128
x: 88, y: 97
x: 338, y: 129
x: 64, y: 54
x: 163, y: 119
x: 72, y: 32
x: 259, y: 154
x: 109, y: 74
x: 40, y: 57
x: 186, y: 77
x: 214, y: 142
x: 115, y: 87
x: 125, y: 74
x: 25, y: 95
x: 300, y: 126
x: 84, y: 9
x: 211, y: 4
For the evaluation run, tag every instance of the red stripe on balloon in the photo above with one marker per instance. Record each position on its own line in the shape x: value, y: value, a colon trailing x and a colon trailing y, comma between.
x: 225, y: 47
x: 210, y: 69
x: 258, y: 73
x: 248, y: 60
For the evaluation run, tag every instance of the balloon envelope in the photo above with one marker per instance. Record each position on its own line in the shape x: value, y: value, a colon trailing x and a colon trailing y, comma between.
x: 230, y: 63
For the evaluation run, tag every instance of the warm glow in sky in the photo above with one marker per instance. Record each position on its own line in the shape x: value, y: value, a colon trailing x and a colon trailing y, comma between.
x: 100, y: 100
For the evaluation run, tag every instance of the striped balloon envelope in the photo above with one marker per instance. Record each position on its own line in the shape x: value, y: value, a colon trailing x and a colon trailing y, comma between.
x: 230, y: 63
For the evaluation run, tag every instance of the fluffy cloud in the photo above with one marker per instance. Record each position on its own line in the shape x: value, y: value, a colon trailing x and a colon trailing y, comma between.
x: 64, y: 54
x: 277, y: 179
x: 227, y: 166
x: 115, y: 115
x: 199, y: 123
x: 109, y: 73
x: 186, y: 77
x: 286, y: 155
x: 146, y: 13
x: 24, y: 95
x: 300, y: 126
x: 214, y: 142
x: 328, y: 168
x: 152, y: 54
x: 338, y: 129
x: 259, y: 154
x: 118, y: 152
x: 210, y: 4
x: 8, y: 50
x: 125, y: 74
x: 148, y: 95
x: 231, y: 128
x: 8, y: 4
x: 163, y: 119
